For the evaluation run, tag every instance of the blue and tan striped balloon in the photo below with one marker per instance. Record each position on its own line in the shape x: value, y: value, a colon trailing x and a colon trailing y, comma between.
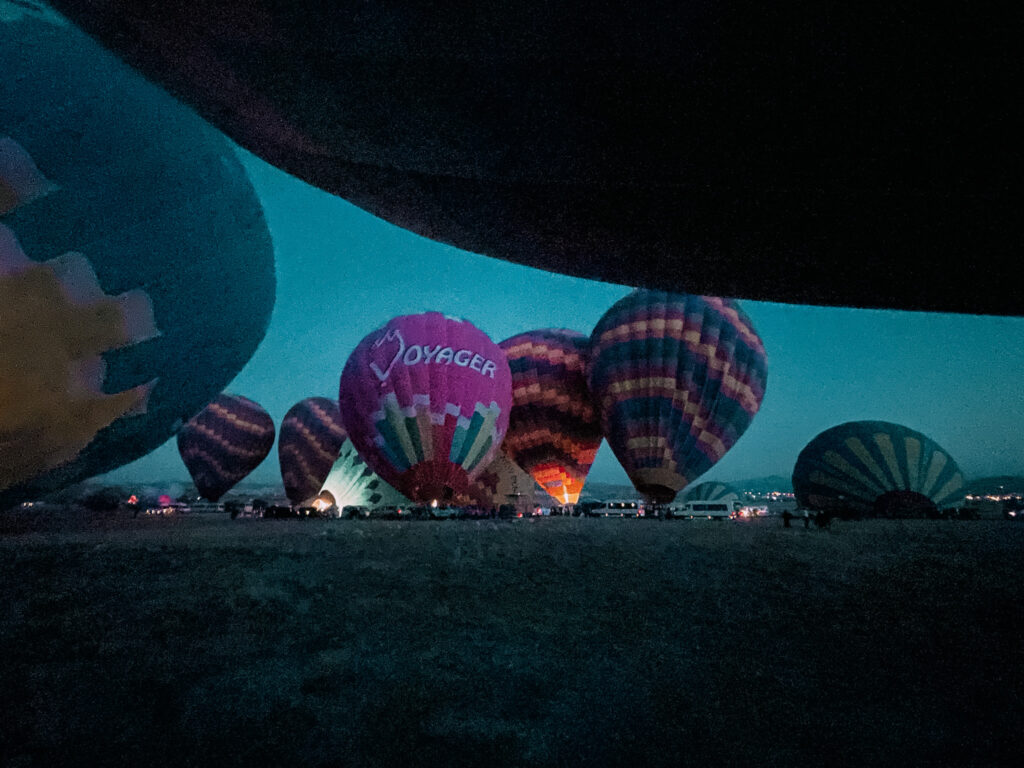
x: 876, y: 468
x: 710, y: 491
x: 224, y: 442
x: 676, y: 379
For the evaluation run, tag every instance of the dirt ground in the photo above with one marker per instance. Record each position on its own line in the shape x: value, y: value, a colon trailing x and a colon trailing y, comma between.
x: 552, y: 642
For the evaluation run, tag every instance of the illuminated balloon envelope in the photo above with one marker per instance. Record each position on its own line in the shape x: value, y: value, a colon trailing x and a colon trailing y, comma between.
x: 136, y: 269
x: 308, y: 445
x: 426, y: 402
x: 224, y: 442
x: 553, y: 430
x: 876, y: 468
x: 352, y: 483
x: 677, y: 379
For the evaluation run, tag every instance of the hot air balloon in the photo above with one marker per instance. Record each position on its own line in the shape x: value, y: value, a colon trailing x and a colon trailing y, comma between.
x: 677, y: 379
x: 802, y: 152
x: 503, y: 482
x: 352, y: 483
x: 553, y: 429
x: 308, y: 445
x: 224, y: 442
x: 876, y: 468
x: 136, y: 269
x: 426, y: 402
x: 710, y: 491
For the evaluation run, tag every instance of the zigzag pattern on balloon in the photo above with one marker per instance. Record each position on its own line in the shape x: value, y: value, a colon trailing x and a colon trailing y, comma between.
x: 224, y: 442
x: 310, y: 437
x: 554, y: 431
x: 677, y: 379
x: 406, y: 435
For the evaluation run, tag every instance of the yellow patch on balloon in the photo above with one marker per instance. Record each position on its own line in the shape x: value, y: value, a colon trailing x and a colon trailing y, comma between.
x: 55, y: 325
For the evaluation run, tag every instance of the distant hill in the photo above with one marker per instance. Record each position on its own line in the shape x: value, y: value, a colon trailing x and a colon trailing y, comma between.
x: 764, y: 484
x: 1013, y: 484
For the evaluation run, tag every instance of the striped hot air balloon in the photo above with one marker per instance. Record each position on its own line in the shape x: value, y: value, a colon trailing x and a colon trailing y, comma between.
x: 876, y: 468
x: 711, y: 491
x: 676, y: 379
x: 426, y: 402
x: 308, y: 444
x: 224, y: 442
x: 554, y: 431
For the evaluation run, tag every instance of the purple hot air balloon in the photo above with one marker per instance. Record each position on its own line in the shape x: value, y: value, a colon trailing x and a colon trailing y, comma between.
x: 225, y: 442
x: 426, y: 399
x: 310, y: 439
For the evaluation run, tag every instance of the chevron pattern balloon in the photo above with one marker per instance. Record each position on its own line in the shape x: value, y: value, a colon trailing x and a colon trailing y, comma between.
x: 308, y: 444
x: 554, y: 431
x: 710, y: 491
x: 677, y: 379
x: 224, y: 442
x: 876, y: 468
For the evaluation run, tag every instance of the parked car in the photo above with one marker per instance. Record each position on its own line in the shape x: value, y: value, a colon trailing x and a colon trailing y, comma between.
x: 355, y: 511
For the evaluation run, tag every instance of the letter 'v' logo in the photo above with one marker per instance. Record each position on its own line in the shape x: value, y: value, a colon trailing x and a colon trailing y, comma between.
x: 385, y: 353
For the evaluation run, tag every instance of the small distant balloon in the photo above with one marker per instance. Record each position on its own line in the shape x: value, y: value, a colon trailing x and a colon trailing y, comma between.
x: 224, y: 442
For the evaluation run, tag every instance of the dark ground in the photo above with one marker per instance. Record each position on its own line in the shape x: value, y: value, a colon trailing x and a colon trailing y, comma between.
x: 556, y: 642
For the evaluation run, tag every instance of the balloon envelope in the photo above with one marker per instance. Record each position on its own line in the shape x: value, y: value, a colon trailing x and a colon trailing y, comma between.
x: 876, y: 468
x: 308, y: 445
x: 553, y: 430
x: 804, y: 152
x: 122, y: 212
x: 503, y: 482
x: 677, y: 379
x: 224, y: 442
x: 426, y: 402
x: 710, y: 491
x: 352, y: 483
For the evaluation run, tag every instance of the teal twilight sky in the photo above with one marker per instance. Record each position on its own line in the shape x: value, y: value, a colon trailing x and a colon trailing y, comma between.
x: 342, y: 273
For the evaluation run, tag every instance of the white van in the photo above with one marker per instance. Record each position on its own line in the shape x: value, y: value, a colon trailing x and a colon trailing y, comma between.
x: 617, y: 509
x: 694, y: 510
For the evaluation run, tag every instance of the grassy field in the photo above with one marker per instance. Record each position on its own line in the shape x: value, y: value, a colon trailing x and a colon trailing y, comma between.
x: 554, y: 642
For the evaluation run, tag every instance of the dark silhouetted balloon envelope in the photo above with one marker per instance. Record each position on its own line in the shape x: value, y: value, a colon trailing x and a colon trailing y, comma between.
x: 876, y: 468
x: 224, y: 442
x: 809, y: 152
x: 136, y: 269
x: 677, y: 379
